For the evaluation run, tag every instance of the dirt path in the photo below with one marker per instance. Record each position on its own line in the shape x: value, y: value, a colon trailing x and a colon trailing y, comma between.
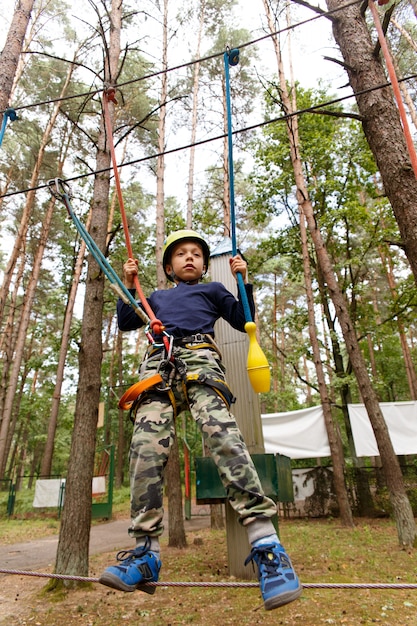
x: 17, y: 591
x: 36, y: 554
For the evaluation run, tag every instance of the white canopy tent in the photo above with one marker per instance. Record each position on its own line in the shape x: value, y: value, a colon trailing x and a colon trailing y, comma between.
x: 302, y: 434
x: 298, y: 434
x: 401, y: 419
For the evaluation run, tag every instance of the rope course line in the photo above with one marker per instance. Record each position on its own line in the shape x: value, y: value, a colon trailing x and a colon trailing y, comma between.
x: 61, y: 191
x: 312, y: 109
x: 257, y: 363
x: 231, y: 584
x: 154, y: 323
x: 188, y: 63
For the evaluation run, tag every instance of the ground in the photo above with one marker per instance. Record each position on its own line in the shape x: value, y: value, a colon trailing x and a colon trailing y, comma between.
x: 322, y: 552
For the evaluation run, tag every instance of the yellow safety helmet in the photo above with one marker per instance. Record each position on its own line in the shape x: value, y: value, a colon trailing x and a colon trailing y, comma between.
x: 183, y: 235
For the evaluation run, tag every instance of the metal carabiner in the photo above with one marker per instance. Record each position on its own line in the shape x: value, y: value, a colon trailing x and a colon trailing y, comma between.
x: 59, y: 183
x: 171, y: 345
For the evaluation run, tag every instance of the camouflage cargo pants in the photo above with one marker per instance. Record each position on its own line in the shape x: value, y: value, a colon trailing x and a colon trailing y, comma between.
x: 152, y: 438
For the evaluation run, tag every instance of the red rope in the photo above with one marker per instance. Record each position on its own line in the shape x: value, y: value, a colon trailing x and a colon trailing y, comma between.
x: 109, y: 96
x: 394, y: 83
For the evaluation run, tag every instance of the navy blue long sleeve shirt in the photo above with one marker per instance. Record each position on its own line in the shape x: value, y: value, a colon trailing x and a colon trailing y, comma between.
x: 188, y: 309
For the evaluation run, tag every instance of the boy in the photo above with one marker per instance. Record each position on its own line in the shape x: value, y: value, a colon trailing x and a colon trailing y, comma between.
x: 193, y: 378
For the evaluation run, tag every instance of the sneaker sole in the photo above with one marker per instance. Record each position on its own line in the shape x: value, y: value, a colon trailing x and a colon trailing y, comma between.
x: 110, y: 580
x: 284, y: 598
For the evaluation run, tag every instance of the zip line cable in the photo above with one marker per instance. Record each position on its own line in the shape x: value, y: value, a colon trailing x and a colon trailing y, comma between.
x: 188, y: 63
x: 312, y: 109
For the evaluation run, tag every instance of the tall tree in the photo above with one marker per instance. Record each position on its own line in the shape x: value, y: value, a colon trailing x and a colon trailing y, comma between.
x: 9, y: 57
x: 160, y: 164
x: 336, y: 448
x: 47, y: 457
x: 72, y: 553
x: 17, y: 249
x: 380, y: 118
x: 196, y: 81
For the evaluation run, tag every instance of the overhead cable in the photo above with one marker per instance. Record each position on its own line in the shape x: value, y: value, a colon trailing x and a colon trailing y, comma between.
x: 184, y: 65
x: 312, y: 109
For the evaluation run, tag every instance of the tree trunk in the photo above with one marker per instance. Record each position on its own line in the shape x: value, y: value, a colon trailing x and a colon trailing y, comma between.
x: 399, y: 500
x: 408, y: 361
x: 190, y: 184
x: 5, y: 437
x: 335, y: 442
x: 47, y: 457
x: 160, y: 163
x: 30, y: 198
x: 172, y: 472
x: 176, y: 530
x: 380, y: 119
x: 74, y: 536
x: 9, y: 57
x: 383, y: 130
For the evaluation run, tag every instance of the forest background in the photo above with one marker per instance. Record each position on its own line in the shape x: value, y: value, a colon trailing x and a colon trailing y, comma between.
x: 52, y: 303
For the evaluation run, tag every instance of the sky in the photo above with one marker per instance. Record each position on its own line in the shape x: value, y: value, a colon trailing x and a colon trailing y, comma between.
x: 310, y: 43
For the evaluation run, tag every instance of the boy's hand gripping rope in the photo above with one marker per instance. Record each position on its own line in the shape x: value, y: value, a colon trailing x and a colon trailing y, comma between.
x: 257, y: 364
x: 155, y: 324
x: 61, y: 190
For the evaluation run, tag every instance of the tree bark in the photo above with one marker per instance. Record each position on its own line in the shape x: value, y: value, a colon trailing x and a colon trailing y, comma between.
x: 47, y: 457
x: 408, y: 361
x: 5, y: 435
x: 383, y: 130
x: 335, y: 442
x: 160, y: 162
x: 176, y: 530
x: 9, y: 57
x: 399, y: 500
x: 74, y: 536
x: 172, y: 472
x: 120, y: 415
x: 380, y: 120
x: 196, y: 77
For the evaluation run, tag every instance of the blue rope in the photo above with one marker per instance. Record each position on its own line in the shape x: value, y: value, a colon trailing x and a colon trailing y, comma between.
x: 231, y: 57
x: 8, y: 114
x: 60, y: 193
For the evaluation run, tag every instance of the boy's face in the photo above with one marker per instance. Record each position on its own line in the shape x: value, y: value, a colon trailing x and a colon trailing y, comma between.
x: 187, y: 262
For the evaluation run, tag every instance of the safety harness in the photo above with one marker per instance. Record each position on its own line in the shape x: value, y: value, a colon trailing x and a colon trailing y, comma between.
x: 169, y: 365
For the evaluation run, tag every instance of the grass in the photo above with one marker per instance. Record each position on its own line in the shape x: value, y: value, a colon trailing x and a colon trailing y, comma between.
x: 42, y: 522
x: 322, y: 552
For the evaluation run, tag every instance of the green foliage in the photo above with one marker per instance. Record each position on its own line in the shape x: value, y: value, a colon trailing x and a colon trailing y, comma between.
x: 357, y: 225
x: 351, y: 210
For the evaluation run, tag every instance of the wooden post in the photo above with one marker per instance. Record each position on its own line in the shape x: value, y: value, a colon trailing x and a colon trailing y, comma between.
x: 234, y: 347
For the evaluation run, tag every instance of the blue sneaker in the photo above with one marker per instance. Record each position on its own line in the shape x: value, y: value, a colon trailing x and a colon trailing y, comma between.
x: 278, y: 582
x: 137, y: 567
